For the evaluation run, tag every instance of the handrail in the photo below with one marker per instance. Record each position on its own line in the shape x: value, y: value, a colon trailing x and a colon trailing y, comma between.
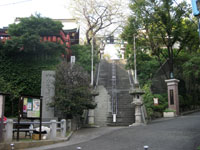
x: 114, y: 92
x: 98, y: 72
x: 130, y: 75
x: 58, y: 122
x: 29, y: 129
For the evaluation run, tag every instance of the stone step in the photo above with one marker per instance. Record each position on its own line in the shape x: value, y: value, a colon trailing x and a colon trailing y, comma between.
x: 125, y: 112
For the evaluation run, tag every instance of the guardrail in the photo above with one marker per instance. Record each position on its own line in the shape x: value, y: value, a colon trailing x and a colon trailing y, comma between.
x: 10, y: 128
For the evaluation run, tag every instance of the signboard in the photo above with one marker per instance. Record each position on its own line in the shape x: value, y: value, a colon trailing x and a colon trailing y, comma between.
x: 171, y: 94
x: 155, y: 100
x: 1, y: 105
x: 31, y: 107
x: 73, y: 59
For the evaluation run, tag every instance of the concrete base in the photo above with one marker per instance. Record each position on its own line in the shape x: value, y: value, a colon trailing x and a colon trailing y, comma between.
x: 169, y: 114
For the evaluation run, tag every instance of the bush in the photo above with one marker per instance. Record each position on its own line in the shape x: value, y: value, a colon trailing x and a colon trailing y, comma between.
x: 153, y: 110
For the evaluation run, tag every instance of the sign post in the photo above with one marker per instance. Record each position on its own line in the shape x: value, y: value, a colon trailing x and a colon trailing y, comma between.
x: 155, y: 101
x: 30, y: 107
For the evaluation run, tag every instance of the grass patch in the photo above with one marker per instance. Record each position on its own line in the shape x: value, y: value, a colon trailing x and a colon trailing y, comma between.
x: 169, y: 110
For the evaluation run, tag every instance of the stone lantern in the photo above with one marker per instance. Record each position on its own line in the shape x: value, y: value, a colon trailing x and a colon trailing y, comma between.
x: 94, y: 93
x: 137, y: 101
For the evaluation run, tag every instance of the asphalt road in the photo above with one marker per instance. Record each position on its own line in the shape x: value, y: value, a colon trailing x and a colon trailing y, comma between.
x: 181, y: 133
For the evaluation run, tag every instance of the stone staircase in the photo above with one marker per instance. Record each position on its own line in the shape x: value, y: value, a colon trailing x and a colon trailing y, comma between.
x: 120, y: 104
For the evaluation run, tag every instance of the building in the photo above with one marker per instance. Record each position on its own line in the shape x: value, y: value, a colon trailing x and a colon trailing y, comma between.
x: 68, y: 36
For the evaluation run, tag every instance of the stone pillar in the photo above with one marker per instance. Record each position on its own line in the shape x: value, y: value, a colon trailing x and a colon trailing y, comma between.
x: 53, y: 131
x: 138, y: 113
x: 63, y: 128
x: 48, y: 92
x: 91, y: 117
x: 173, y: 99
x: 9, y: 131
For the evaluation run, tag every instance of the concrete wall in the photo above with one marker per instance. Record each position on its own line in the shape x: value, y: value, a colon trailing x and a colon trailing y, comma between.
x: 103, y: 108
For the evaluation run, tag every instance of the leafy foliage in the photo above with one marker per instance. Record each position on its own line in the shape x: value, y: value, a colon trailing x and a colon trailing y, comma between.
x: 83, y: 56
x: 146, y: 66
x: 159, y: 25
x: 165, y: 32
x: 35, y: 25
x: 23, y: 57
x: 72, y: 91
x: 149, y: 103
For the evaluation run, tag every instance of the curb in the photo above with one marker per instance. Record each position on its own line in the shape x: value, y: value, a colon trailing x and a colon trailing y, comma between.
x: 189, y: 112
x: 32, y: 144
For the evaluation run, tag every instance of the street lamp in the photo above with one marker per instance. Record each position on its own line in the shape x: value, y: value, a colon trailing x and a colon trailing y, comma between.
x: 135, y: 69
x: 92, y: 61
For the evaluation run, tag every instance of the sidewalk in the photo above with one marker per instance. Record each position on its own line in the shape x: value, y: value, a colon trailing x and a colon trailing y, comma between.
x: 82, y: 135
x: 21, y: 145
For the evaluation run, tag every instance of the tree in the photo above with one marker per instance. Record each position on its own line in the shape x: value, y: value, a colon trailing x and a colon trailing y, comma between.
x: 23, y: 57
x: 97, y: 15
x: 72, y: 90
x: 191, y: 73
x: 159, y: 25
x: 83, y: 56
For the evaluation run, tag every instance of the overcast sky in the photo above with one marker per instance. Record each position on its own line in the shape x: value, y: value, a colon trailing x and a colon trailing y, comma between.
x: 10, y: 9
x: 55, y: 9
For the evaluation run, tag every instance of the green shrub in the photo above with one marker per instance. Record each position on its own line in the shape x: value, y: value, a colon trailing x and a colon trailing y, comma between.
x: 152, y: 109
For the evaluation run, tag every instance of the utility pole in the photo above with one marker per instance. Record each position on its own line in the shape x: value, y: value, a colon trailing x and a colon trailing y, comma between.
x: 92, y: 61
x: 135, y: 69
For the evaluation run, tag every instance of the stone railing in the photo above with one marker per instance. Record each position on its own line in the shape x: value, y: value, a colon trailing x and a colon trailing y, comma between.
x: 53, y: 124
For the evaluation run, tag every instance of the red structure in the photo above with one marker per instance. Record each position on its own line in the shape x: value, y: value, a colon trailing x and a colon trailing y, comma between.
x: 64, y: 37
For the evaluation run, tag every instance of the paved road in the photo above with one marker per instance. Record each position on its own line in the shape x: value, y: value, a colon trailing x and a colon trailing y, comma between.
x: 181, y: 133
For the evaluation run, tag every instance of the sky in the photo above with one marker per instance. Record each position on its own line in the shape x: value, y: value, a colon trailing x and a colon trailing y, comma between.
x: 55, y: 9
x: 10, y: 9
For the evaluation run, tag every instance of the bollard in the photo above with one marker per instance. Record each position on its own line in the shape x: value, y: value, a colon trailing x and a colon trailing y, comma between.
x: 63, y: 128
x: 9, y: 128
x: 12, y: 145
x: 53, y: 131
x: 78, y: 148
x: 146, y: 147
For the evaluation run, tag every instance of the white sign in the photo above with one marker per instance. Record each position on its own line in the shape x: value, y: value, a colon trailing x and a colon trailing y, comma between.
x: 73, y: 59
x: 114, y: 117
x: 1, y: 105
x: 155, y: 101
